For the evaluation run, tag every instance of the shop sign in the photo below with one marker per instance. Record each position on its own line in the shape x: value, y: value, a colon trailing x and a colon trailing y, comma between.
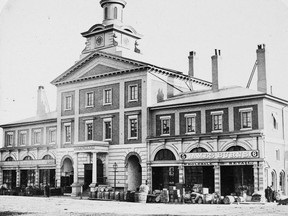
x: 85, y: 148
x: 220, y: 155
x: 198, y: 164
x: 238, y: 163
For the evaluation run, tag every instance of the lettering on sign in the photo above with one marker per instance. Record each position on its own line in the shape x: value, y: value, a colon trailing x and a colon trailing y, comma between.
x: 84, y: 148
x: 220, y: 155
x: 198, y: 164
x: 238, y: 163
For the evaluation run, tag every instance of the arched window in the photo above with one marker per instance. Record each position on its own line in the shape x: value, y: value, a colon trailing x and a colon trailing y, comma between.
x: 28, y: 158
x: 282, y: 181
x: 199, y: 149
x: 236, y: 148
x: 9, y: 159
x: 106, y: 13
x: 274, y: 180
x: 47, y: 157
x: 115, y: 13
x: 164, y: 154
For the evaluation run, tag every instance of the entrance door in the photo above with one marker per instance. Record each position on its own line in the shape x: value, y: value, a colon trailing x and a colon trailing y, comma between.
x: 87, y: 175
x: 100, y: 172
x: 199, y: 175
x: 23, y: 178
x: 134, y: 173
x: 163, y: 177
x: 235, y: 179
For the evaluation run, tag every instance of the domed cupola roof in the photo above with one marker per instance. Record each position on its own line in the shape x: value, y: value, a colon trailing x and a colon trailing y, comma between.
x: 113, y: 11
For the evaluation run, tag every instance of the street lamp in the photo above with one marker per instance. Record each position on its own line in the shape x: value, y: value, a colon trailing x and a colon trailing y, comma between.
x: 115, y: 166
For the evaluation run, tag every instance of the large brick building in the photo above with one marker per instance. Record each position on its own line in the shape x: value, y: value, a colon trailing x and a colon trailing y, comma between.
x: 155, y: 123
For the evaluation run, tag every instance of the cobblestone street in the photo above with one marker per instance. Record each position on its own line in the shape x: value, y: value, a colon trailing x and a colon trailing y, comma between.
x: 20, y: 205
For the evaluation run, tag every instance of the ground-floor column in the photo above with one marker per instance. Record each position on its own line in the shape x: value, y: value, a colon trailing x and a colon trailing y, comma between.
x: 258, y: 171
x: 76, y: 186
x: 94, y: 172
x: 217, y: 179
x: 149, y: 176
x: 37, y: 176
x: 181, y: 174
x: 1, y: 175
x: 18, y: 177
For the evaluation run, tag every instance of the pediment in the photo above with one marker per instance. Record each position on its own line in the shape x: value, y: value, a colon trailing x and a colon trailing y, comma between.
x: 99, y: 69
x: 97, y: 63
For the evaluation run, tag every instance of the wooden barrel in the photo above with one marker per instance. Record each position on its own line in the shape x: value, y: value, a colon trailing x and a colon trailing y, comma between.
x: 229, y: 199
x: 106, y: 195
x: 142, y: 197
x: 98, y: 194
x: 121, y: 196
x: 112, y: 195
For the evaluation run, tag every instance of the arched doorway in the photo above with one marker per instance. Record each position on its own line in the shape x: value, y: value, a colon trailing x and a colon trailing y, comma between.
x: 199, y: 176
x: 67, y: 175
x: 134, y: 170
x: 164, y: 176
x: 237, y: 179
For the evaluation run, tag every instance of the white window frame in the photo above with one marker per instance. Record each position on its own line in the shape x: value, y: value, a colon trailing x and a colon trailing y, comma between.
x: 23, y: 133
x: 68, y: 106
x: 133, y: 117
x: 50, y: 135
x: 65, y: 133
x: 104, y: 96
x: 162, y: 119
x: 246, y: 110
x: 88, y: 122
x: 105, y: 120
x: 35, y: 136
x: 11, y: 138
x: 89, y: 103
x: 130, y: 92
x: 214, y: 114
x: 187, y: 116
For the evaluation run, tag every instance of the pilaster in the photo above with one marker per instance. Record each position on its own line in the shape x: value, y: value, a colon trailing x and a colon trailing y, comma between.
x: 217, y: 179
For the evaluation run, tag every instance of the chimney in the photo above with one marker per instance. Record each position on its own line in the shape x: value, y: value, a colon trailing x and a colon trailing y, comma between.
x: 214, y: 58
x: 191, y: 63
x: 42, y: 102
x: 261, y: 68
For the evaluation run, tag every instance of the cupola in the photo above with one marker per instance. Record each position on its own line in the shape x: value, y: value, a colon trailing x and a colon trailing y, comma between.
x: 112, y: 11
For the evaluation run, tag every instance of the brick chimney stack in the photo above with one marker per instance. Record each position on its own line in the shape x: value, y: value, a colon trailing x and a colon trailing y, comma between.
x: 261, y: 68
x: 191, y: 63
x: 215, y: 85
x: 42, y: 102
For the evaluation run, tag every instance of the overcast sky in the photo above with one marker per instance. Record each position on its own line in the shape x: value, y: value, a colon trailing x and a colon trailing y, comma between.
x: 40, y: 39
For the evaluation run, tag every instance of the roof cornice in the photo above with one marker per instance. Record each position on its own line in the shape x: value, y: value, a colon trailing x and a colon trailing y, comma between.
x: 28, y: 123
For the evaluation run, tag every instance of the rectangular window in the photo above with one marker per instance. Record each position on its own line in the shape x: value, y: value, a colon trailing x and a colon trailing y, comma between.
x: 23, y: 138
x: 165, y: 125
x: 133, y: 92
x: 246, y: 118
x: 68, y: 102
x: 89, y: 130
x: 52, y: 135
x: 107, y: 128
x: 67, y: 131
x: 89, y: 99
x: 9, y: 138
x: 37, y: 137
x: 277, y: 154
x: 107, y: 96
x: 133, y: 127
x: 217, y: 121
x: 190, y: 123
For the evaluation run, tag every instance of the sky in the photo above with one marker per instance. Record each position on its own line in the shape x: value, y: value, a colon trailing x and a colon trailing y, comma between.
x: 40, y: 39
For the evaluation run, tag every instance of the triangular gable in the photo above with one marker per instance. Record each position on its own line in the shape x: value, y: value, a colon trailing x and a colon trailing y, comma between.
x: 99, y: 69
x: 95, y: 64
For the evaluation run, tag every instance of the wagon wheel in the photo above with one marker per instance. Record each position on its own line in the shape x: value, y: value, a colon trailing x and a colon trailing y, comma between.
x: 200, y: 200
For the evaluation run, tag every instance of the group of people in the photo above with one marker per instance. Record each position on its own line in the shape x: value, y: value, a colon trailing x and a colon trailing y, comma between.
x: 270, y: 194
